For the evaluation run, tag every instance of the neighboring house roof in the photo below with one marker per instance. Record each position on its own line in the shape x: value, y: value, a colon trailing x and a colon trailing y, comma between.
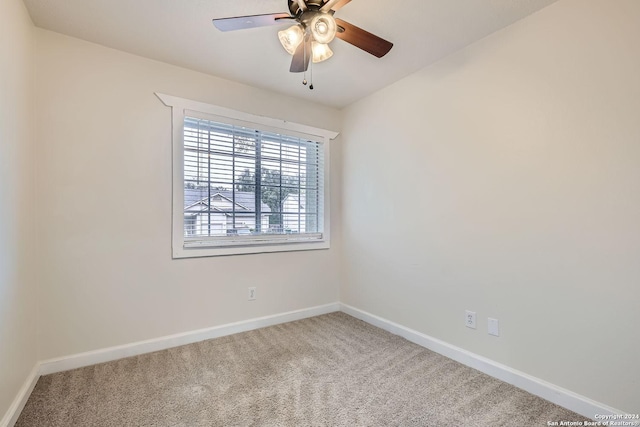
x: 244, y: 200
x: 295, y: 199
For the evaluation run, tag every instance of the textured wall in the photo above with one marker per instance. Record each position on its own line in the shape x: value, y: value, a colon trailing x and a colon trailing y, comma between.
x: 18, y: 351
x: 504, y: 179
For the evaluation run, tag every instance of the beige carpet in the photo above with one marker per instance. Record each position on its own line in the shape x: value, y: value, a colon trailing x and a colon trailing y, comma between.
x: 330, y: 370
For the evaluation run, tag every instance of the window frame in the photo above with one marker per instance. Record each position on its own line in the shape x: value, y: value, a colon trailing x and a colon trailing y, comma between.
x: 181, y: 108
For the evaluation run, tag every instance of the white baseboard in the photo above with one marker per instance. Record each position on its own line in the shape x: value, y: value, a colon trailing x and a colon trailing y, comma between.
x: 113, y: 353
x: 558, y: 395
x: 16, y: 407
x: 565, y: 398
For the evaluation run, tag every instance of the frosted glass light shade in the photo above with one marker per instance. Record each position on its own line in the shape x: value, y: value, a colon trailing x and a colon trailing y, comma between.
x: 291, y: 38
x: 321, y: 52
x: 323, y: 28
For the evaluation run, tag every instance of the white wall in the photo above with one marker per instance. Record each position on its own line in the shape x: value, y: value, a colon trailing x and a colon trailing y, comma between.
x: 18, y: 351
x: 104, y: 173
x: 504, y: 179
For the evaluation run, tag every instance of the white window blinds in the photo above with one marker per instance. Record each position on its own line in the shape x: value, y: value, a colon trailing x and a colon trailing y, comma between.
x: 246, y: 186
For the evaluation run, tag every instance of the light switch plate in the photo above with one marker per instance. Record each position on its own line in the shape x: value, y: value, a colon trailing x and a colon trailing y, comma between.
x: 493, y: 327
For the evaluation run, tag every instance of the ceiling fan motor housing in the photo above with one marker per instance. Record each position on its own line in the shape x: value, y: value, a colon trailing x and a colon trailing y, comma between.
x: 312, y: 5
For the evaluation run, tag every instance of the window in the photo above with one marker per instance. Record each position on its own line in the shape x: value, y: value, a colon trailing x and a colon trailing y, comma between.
x: 246, y: 184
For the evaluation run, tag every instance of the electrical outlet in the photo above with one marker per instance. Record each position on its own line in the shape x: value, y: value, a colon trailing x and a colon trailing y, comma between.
x: 252, y: 293
x: 470, y: 319
x: 493, y: 327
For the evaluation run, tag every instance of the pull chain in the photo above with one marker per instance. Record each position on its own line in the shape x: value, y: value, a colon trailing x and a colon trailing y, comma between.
x: 311, y: 85
x: 304, y: 56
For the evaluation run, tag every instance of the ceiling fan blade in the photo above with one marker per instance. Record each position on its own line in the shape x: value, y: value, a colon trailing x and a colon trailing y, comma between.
x: 362, y: 39
x: 250, y: 21
x: 333, y: 5
x: 301, y: 58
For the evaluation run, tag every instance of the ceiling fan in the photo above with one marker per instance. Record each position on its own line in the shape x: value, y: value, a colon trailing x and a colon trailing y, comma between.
x: 308, y: 39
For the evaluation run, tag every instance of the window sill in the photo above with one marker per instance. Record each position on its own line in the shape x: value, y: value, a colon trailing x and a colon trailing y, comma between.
x: 195, y: 251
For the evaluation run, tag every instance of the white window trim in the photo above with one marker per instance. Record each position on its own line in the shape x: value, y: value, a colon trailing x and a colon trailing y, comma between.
x: 179, y: 106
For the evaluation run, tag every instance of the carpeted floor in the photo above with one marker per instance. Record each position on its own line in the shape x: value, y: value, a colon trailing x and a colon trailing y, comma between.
x: 331, y: 370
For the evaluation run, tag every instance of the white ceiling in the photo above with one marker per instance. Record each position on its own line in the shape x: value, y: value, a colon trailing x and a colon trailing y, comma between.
x: 180, y: 32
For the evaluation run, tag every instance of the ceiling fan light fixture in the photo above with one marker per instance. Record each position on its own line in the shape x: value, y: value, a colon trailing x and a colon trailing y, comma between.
x: 320, y: 52
x: 291, y: 38
x: 323, y: 27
